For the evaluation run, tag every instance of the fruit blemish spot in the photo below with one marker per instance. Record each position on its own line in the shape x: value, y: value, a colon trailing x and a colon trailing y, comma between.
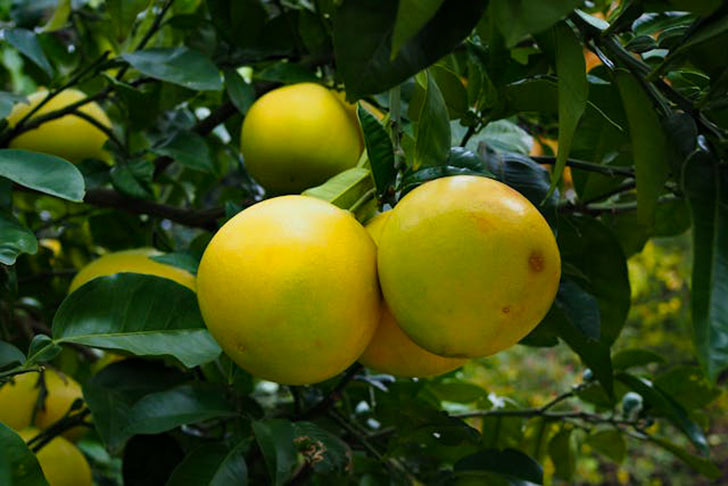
x: 535, y: 261
x: 506, y: 309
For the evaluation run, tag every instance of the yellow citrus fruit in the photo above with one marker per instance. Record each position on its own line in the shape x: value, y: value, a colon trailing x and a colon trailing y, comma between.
x: 135, y: 261
x: 468, y: 266
x: 61, y: 461
x: 390, y: 350
x: 19, y: 398
x: 69, y: 137
x: 297, y: 137
x: 288, y: 288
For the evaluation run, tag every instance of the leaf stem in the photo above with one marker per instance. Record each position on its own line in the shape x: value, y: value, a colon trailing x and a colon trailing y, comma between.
x: 589, y: 166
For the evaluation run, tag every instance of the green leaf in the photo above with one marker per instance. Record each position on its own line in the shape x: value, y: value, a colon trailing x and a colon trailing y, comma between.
x: 503, y: 136
x: 419, y: 177
x: 186, y: 404
x: 458, y: 391
x: 182, y: 260
x: 648, y: 145
x: 609, y: 442
x: 42, y: 172
x: 42, y: 349
x: 180, y: 65
x: 133, y: 178
x: 663, y: 404
x: 23, y: 465
x: 241, y: 93
x: 432, y: 142
x: 287, y: 73
x: 344, y: 189
x: 275, y: 438
x: 573, y: 92
x: 212, y: 465
x: 518, y: 18
x: 15, y: 239
x: 60, y: 16
x: 27, y: 43
x: 363, y: 32
x: 580, y: 308
x: 562, y: 451
x: 704, y: 466
x: 379, y: 150
x: 412, y: 15
x: 112, y: 393
x: 189, y: 149
x: 452, y: 89
x: 510, y: 463
x: 10, y: 355
x: 8, y: 101
x: 630, y: 358
x: 687, y: 386
x: 706, y: 186
x: 140, y: 314
x: 322, y: 449
x: 122, y: 14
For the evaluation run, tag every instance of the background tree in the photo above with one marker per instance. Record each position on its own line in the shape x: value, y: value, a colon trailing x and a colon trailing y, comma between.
x: 611, y: 117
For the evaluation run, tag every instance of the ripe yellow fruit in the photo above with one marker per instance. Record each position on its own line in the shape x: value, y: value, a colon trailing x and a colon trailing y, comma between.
x: 297, y: 137
x: 61, y: 461
x: 69, y: 137
x: 390, y: 350
x: 468, y: 266
x: 288, y: 288
x: 18, y: 399
x: 135, y: 261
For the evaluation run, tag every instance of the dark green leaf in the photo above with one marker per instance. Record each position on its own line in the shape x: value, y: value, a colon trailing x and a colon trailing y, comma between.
x: 241, y: 93
x: 630, y: 358
x: 27, y: 43
x: 519, y: 18
x: 287, y: 73
x: 458, y: 391
x: 140, y: 314
x: 412, y: 15
x: 8, y: 101
x: 363, y: 32
x: 508, y: 462
x: 189, y: 149
x: 502, y: 136
x: 345, y: 188
x: 44, y: 173
x: 648, y: 145
x: 134, y: 178
x: 15, y: 239
x: 122, y: 14
x: 706, y: 186
x: 24, y: 467
x: 379, y: 150
x: 562, y: 451
x: 452, y: 89
x: 185, y: 261
x: 322, y: 449
x: 165, y: 410
x: 240, y: 22
x: 275, y: 438
x: 112, y: 393
x: 42, y: 349
x: 667, y: 407
x: 700, y: 464
x: 212, y: 465
x: 10, y: 355
x: 416, y: 178
x: 432, y: 142
x: 609, y: 442
x: 180, y: 65
x: 687, y: 386
x: 580, y: 308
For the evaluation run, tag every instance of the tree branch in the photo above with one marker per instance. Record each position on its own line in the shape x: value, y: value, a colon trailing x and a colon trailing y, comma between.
x: 607, y: 170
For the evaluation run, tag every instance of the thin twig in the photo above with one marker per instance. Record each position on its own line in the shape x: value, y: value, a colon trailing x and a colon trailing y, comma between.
x: 589, y: 166
x: 335, y: 393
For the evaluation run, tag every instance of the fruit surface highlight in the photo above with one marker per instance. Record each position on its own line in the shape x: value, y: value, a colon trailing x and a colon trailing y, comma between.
x: 298, y: 136
x: 468, y: 266
x: 134, y: 261
x: 288, y: 288
x: 69, y: 137
x: 61, y: 461
x: 391, y: 351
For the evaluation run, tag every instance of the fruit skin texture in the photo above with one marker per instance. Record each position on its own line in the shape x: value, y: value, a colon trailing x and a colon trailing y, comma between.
x: 468, y: 266
x: 298, y: 136
x: 69, y: 137
x: 18, y: 399
x: 288, y: 288
x: 61, y: 461
x: 391, y: 351
x: 135, y: 261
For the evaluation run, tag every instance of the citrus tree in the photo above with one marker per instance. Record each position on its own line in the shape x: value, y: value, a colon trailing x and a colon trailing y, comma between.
x: 173, y: 306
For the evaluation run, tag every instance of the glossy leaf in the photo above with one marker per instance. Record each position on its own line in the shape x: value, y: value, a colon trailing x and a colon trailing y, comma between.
x: 668, y: 407
x: 180, y: 65
x: 510, y: 463
x: 380, y: 151
x: 452, y: 89
x: 412, y: 15
x: 609, y: 442
x: 363, y: 32
x: 322, y: 449
x: 432, y: 141
x: 344, y: 189
x: 27, y: 42
x: 189, y: 149
x: 630, y: 358
x: 140, y: 314
x: 702, y: 465
x: 10, y: 355
x: 15, y: 239
x: 42, y: 172
x: 275, y: 438
x: 122, y: 14
x: 516, y: 19
x: 687, y: 386
x: 24, y: 467
x: 648, y: 145
x: 133, y: 178
x: 165, y: 410
x: 212, y: 465
x: 706, y: 186
x: 8, y: 100
x: 185, y: 261
x: 241, y: 93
